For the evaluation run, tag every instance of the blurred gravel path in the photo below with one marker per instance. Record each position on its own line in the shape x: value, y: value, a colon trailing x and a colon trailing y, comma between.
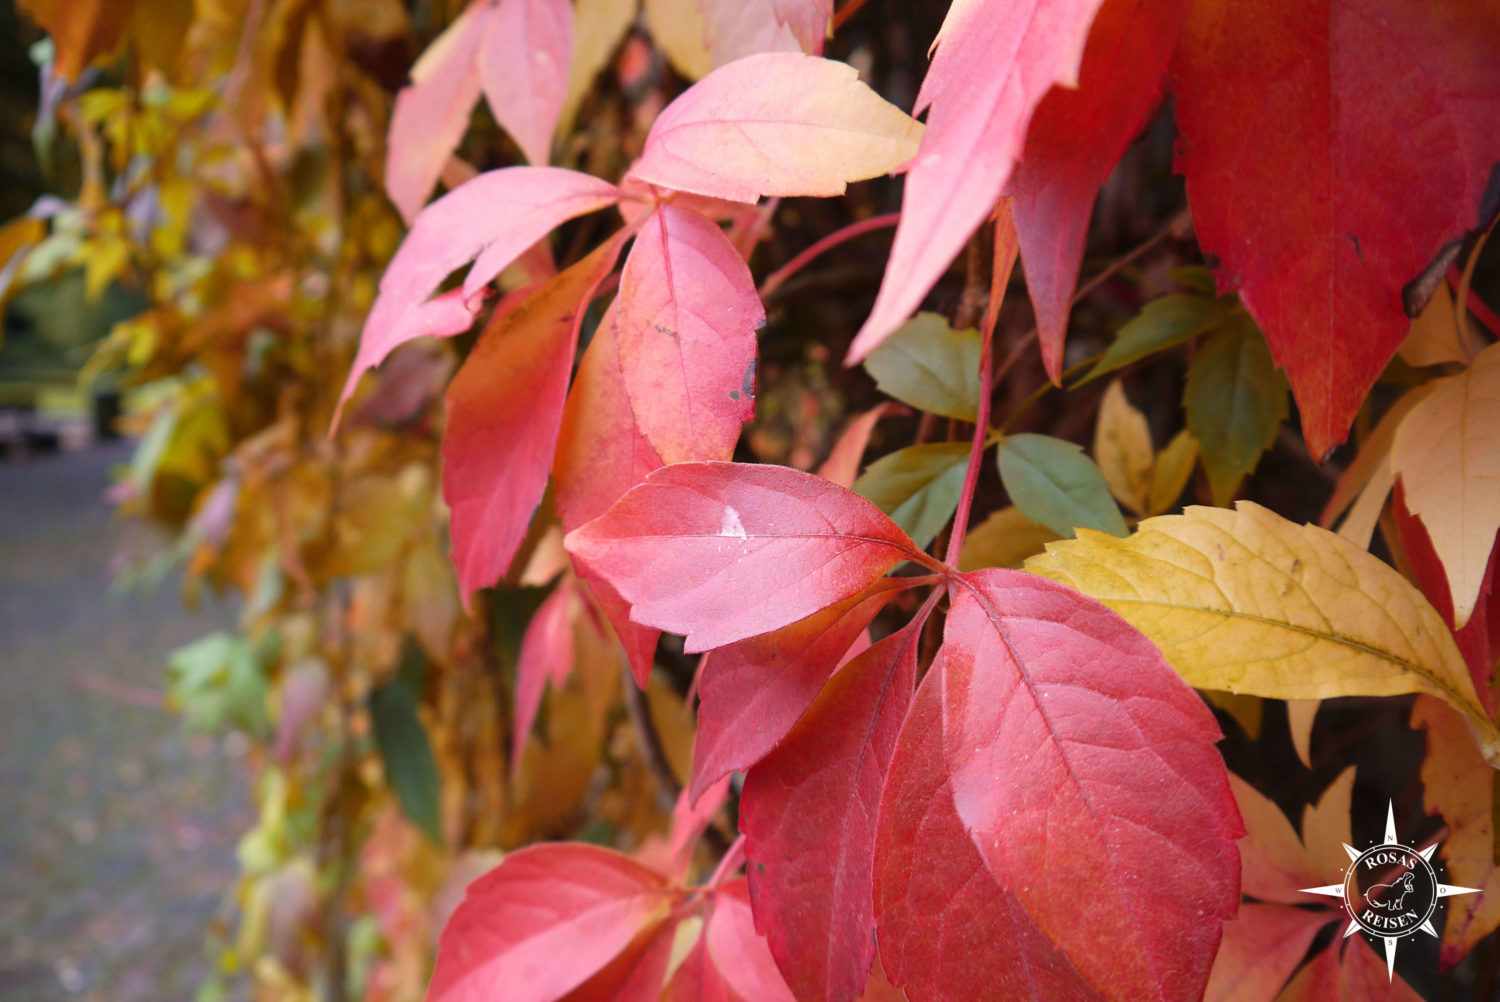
x: 117, y: 830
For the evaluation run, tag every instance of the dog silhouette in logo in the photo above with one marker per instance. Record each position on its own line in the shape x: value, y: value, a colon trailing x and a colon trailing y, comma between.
x: 1376, y: 898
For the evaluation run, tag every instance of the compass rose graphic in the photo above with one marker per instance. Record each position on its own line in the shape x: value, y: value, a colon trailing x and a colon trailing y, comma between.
x: 1390, y: 890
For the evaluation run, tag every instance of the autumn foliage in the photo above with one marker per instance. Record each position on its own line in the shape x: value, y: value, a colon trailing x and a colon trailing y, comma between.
x: 942, y: 615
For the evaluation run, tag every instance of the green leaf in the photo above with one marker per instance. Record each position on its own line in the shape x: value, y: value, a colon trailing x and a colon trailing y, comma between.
x: 918, y: 487
x: 1165, y: 322
x: 1235, y: 401
x: 410, y: 769
x: 217, y: 682
x: 1196, y: 277
x: 1054, y: 484
x: 930, y: 366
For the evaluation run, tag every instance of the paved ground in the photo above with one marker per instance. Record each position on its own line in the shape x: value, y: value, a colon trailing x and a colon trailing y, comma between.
x: 116, y: 829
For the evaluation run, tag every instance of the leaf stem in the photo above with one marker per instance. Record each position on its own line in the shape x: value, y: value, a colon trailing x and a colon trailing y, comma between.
x: 778, y: 277
x: 846, y: 12
x: 668, y: 789
x: 734, y: 858
x: 976, y: 453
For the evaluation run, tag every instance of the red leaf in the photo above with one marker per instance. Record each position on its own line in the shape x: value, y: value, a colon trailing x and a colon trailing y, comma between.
x: 720, y: 552
x: 432, y: 112
x: 1262, y: 946
x: 600, y: 455
x: 688, y: 316
x: 994, y: 63
x: 777, y: 123
x: 546, y: 651
x: 496, y: 217
x: 504, y: 410
x: 1331, y: 148
x: 1480, y: 637
x: 808, y: 811
x: 543, y: 921
x: 1075, y: 139
x: 753, y: 692
x: 523, y: 68
x: 1077, y: 758
x: 635, y: 975
x: 947, y: 929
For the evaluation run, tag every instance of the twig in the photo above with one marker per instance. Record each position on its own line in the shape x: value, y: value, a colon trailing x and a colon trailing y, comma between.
x: 135, y: 695
x: 846, y: 12
x: 778, y: 277
x: 668, y: 789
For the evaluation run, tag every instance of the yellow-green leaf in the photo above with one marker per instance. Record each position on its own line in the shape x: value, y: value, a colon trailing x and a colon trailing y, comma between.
x: 918, y: 486
x: 930, y: 366
x: 1246, y: 601
x: 1235, y: 400
x: 1165, y: 322
x: 1056, y: 485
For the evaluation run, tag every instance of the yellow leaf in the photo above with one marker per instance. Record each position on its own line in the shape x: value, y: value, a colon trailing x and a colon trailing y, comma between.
x: 1170, y: 474
x: 1005, y: 539
x: 1368, y: 479
x: 1457, y: 785
x: 1433, y: 338
x: 598, y: 27
x: 1122, y: 448
x: 680, y: 31
x: 1447, y: 454
x: 1247, y: 711
x: 1247, y: 601
x: 1300, y: 714
x: 1326, y: 828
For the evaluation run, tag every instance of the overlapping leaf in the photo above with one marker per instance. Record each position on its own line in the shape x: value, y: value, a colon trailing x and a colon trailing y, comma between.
x: 687, y: 321
x: 1075, y: 138
x: 994, y: 64
x: 517, y: 53
x: 808, y: 811
x: 504, y: 412
x: 1331, y: 150
x: 1246, y: 601
x: 776, y: 124
x: 495, y: 217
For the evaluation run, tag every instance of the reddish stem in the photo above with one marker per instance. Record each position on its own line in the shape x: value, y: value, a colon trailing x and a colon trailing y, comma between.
x: 734, y: 857
x: 976, y: 452
x: 846, y: 12
x: 778, y: 277
x: 1477, y: 306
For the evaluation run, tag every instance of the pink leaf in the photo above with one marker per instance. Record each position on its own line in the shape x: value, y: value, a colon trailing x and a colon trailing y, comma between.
x: 601, y: 454
x: 689, y: 822
x: 1262, y: 946
x: 994, y: 63
x: 523, y: 68
x: 543, y: 921
x: 504, y: 411
x: 739, y: 28
x: 739, y: 952
x: 778, y: 123
x: 1079, y: 759
x: 497, y: 217
x: 432, y: 112
x: 808, y: 812
x: 688, y: 316
x: 546, y: 651
x: 1075, y: 139
x: 720, y: 552
x: 848, y: 453
x: 753, y: 692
